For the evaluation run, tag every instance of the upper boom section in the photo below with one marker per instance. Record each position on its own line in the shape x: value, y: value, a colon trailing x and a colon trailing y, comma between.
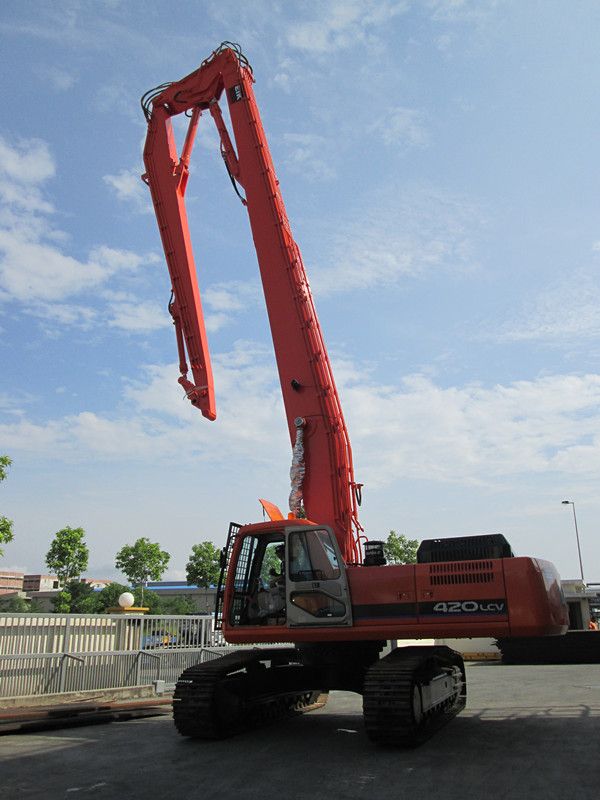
x: 309, y: 392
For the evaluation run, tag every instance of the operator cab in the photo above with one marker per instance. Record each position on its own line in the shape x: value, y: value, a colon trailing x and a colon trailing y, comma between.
x: 291, y: 576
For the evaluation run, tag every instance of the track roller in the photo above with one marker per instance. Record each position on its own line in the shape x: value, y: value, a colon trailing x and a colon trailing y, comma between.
x: 244, y: 689
x: 411, y: 693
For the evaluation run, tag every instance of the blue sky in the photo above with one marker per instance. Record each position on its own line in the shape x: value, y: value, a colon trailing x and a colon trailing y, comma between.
x: 439, y: 161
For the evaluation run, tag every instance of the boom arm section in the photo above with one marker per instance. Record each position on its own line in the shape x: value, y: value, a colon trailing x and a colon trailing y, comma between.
x: 310, y: 397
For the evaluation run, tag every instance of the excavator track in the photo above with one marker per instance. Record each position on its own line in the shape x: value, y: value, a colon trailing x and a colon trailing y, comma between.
x: 220, y: 698
x: 412, y: 693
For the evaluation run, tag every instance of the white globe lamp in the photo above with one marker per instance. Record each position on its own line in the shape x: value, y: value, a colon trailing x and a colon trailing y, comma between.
x: 126, y: 600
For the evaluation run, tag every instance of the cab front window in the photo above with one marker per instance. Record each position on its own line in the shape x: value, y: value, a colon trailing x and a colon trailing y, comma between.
x: 259, y: 582
x: 313, y: 556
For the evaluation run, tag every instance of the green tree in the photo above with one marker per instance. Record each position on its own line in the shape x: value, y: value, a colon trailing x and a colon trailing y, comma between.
x: 68, y: 555
x: 19, y: 605
x: 181, y: 604
x: 400, y: 550
x: 5, y: 462
x: 203, y: 568
x: 6, y: 525
x: 109, y: 598
x: 16, y: 605
x: 146, y: 598
x: 142, y: 561
x: 271, y: 561
x: 61, y: 602
x: 83, y: 598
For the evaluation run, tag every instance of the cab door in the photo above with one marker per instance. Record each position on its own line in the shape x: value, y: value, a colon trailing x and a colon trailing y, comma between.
x: 317, y: 592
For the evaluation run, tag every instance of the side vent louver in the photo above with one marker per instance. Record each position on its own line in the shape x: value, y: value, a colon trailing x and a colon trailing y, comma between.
x: 461, y: 572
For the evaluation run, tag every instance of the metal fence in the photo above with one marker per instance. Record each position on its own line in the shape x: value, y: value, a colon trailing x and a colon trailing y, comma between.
x: 48, y: 653
x: 48, y: 673
x: 93, y: 633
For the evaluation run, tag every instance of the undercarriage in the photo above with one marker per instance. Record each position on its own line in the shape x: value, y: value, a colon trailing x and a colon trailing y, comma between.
x: 407, y: 695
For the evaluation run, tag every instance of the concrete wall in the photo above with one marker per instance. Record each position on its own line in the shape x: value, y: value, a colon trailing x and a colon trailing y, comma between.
x: 476, y: 649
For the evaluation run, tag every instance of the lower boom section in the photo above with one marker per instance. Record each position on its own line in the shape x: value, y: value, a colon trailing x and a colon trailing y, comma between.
x: 407, y: 695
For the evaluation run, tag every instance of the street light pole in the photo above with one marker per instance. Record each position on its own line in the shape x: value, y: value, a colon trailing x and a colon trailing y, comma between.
x: 571, y: 503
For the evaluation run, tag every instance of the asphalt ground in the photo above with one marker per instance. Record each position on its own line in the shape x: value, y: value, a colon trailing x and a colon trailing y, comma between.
x: 527, y: 732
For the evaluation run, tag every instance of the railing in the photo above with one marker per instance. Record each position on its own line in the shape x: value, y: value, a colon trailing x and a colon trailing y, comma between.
x: 93, y: 633
x: 48, y: 653
x: 49, y: 673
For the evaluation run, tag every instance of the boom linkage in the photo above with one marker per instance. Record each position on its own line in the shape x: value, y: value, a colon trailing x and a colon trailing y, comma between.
x: 330, y: 493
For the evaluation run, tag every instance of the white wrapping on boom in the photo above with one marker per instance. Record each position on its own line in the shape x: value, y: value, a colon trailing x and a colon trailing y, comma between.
x: 297, y: 470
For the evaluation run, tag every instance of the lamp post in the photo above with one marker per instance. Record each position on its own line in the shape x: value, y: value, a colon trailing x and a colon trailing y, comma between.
x: 571, y: 503
x: 144, y: 585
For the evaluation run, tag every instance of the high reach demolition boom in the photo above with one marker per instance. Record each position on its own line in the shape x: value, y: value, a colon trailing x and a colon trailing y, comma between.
x: 323, y: 485
x: 337, y: 611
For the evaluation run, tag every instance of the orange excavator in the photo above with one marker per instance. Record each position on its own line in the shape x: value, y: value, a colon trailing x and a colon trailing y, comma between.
x: 311, y: 577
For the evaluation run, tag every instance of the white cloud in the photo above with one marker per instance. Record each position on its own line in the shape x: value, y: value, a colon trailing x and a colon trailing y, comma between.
x: 474, y: 434
x: 107, y: 437
x: 114, y: 261
x: 129, y: 187
x: 138, y: 317
x: 306, y: 156
x: 286, y: 74
x: 27, y: 437
x: 160, y: 423
x: 444, y: 42
x: 11, y: 405
x: 65, y: 314
x: 342, y: 24
x: 417, y: 429
x: 117, y: 98
x: 28, y: 161
x: 38, y: 271
x: 31, y: 271
x: 23, y: 167
x: 18, y: 199
x: 471, y: 11
x: 35, y: 268
x: 243, y: 416
x: 231, y: 296
x: 402, y: 127
x: 216, y: 322
x: 76, y: 25
x: 403, y: 235
x: 560, y: 313
x: 207, y: 136
x: 225, y: 299
x: 59, y: 79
